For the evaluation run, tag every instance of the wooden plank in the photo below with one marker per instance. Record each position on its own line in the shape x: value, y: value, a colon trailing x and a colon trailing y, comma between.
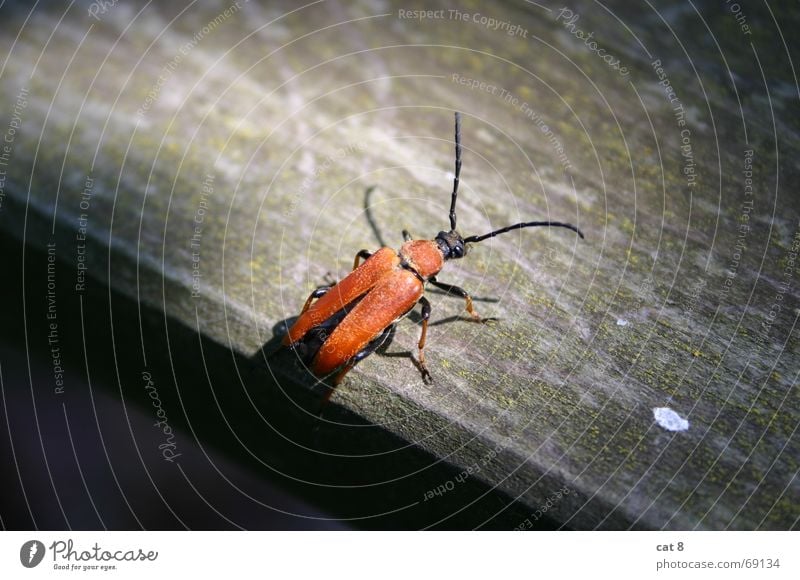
x: 221, y: 180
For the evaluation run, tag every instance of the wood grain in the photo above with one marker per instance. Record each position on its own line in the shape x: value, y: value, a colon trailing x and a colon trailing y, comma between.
x: 232, y: 190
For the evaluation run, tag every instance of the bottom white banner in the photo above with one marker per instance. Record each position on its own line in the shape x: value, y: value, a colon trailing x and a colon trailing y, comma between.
x: 348, y: 555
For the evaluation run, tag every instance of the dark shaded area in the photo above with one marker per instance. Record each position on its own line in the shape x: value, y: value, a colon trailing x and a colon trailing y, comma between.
x: 249, y: 448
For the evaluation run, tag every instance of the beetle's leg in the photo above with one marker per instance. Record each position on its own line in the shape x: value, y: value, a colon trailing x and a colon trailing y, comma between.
x: 371, y: 347
x: 450, y: 289
x: 407, y: 236
x: 426, y: 314
x: 362, y: 255
x: 318, y: 293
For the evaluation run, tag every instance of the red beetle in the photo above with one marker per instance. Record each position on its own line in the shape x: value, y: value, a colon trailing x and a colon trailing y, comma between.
x: 352, y: 319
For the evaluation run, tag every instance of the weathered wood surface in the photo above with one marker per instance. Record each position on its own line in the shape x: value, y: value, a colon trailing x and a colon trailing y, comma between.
x: 225, y: 179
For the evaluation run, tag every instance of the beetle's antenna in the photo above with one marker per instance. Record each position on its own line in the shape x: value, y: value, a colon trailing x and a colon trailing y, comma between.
x: 474, y: 239
x: 458, y: 172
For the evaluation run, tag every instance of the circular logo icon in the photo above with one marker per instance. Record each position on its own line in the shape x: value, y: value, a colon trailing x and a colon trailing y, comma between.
x: 31, y: 553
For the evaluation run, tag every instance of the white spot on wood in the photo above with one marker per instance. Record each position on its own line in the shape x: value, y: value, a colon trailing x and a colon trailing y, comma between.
x: 622, y: 322
x: 669, y: 419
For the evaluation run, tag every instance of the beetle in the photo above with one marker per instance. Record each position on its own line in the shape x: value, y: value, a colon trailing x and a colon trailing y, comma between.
x: 343, y: 323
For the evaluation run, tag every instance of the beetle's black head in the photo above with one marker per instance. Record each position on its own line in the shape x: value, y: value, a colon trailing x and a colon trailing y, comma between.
x: 451, y: 244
